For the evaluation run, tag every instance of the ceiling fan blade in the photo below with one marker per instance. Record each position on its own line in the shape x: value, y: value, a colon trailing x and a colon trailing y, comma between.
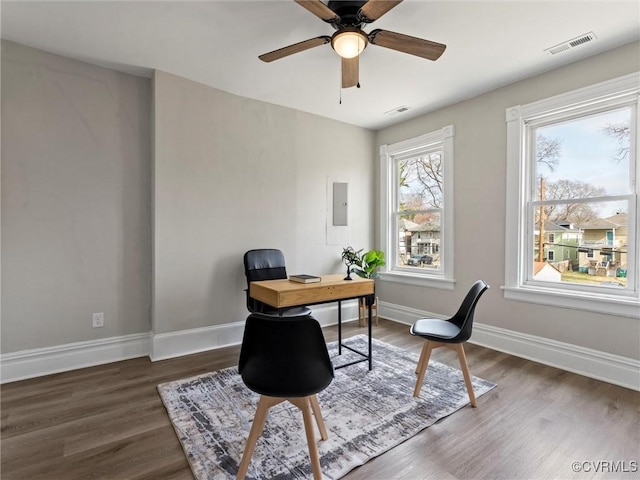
x: 319, y: 9
x: 295, y: 48
x: 407, y: 44
x: 350, y: 71
x: 374, y: 9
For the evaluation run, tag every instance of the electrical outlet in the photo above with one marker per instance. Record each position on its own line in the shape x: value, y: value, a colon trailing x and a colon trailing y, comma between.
x: 97, y: 320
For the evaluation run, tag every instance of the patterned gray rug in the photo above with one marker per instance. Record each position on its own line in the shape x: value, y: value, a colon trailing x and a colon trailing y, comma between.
x: 366, y: 413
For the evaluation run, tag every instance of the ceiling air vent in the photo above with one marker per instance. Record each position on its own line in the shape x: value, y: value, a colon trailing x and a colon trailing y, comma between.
x: 397, y: 110
x: 569, y: 44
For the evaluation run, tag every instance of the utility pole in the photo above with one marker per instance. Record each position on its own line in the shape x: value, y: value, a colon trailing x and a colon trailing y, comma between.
x: 542, y: 220
x: 407, y: 242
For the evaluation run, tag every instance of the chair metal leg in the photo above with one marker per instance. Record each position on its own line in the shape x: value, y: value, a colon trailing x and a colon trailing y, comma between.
x: 465, y: 372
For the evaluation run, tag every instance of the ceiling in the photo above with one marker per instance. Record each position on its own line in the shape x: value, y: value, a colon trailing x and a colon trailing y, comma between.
x: 489, y: 44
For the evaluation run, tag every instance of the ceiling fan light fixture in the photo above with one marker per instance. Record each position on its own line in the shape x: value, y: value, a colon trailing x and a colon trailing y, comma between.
x: 349, y: 43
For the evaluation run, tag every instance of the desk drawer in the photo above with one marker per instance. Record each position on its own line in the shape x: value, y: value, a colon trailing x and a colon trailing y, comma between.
x: 284, y: 293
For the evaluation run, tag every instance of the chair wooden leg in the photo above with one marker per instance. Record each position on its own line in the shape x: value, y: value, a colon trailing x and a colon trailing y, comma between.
x: 264, y: 404
x: 465, y: 372
x: 423, y: 352
x: 423, y: 363
x: 307, y: 405
x: 363, y: 313
x: 315, y: 406
x: 376, y: 310
x: 304, y: 404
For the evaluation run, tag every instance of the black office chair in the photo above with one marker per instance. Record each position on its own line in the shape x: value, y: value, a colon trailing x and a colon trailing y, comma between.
x: 267, y: 264
x: 450, y: 333
x: 285, y: 358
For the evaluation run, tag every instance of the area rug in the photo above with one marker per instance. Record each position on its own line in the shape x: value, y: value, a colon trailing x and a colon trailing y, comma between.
x: 366, y: 414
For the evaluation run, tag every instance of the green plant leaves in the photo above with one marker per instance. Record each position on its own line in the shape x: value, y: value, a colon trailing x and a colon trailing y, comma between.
x: 366, y: 263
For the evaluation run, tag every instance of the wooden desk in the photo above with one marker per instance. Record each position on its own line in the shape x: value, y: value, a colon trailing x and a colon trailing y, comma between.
x: 332, y: 288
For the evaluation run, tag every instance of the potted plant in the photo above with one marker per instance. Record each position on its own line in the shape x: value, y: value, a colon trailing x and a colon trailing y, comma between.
x: 366, y: 265
x: 350, y: 257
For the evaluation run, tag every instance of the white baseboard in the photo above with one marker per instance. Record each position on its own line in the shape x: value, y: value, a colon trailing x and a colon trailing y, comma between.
x: 591, y: 363
x: 45, y: 361
x: 186, y: 342
x: 195, y: 340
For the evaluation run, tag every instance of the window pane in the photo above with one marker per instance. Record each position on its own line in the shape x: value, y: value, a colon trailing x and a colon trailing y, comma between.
x: 584, y: 157
x: 591, y: 252
x: 419, y: 241
x: 574, y: 160
x: 420, y: 182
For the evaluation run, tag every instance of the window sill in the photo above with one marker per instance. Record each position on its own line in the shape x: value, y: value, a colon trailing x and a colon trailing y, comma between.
x: 418, y: 280
x: 599, y: 303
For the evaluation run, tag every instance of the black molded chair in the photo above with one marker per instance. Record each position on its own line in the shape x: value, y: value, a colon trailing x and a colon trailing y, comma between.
x: 450, y: 333
x: 267, y: 264
x: 285, y: 358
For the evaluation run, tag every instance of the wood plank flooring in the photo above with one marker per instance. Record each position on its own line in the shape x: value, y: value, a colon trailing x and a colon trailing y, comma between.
x: 108, y: 422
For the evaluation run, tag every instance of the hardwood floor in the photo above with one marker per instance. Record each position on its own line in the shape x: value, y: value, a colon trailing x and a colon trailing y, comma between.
x: 108, y: 422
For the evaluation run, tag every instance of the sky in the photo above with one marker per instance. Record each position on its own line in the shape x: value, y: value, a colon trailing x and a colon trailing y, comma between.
x: 589, y: 155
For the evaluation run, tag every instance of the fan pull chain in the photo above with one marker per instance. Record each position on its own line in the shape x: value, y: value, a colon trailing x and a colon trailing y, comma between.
x: 340, y: 80
x: 340, y: 94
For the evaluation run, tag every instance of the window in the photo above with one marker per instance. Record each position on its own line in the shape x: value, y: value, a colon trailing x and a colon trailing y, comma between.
x: 416, y: 205
x: 573, y: 169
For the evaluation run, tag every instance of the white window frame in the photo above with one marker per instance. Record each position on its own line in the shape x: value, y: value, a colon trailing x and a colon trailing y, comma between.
x: 442, y: 278
x: 622, y: 91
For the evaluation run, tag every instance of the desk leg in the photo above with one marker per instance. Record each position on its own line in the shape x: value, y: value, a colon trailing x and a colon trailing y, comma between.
x: 339, y: 327
x: 370, y: 303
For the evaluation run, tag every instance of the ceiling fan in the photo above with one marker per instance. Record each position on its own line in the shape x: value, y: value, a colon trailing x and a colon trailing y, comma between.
x: 349, y: 40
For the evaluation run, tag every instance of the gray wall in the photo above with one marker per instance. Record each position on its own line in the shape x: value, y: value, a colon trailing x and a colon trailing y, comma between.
x: 76, y: 222
x: 83, y: 172
x: 480, y: 189
x: 232, y: 174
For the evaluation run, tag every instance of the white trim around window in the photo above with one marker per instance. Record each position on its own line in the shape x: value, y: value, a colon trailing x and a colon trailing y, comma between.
x: 600, y: 97
x: 443, y: 278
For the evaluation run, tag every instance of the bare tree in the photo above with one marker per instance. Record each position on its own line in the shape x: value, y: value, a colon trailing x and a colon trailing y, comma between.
x: 402, y: 174
x: 414, y: 202
x: 422, y: 177
x: 429, y: 174
x: 421, y: 184
x: 571, y: 212
x: 548, y: 151
x: 622, y: 133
